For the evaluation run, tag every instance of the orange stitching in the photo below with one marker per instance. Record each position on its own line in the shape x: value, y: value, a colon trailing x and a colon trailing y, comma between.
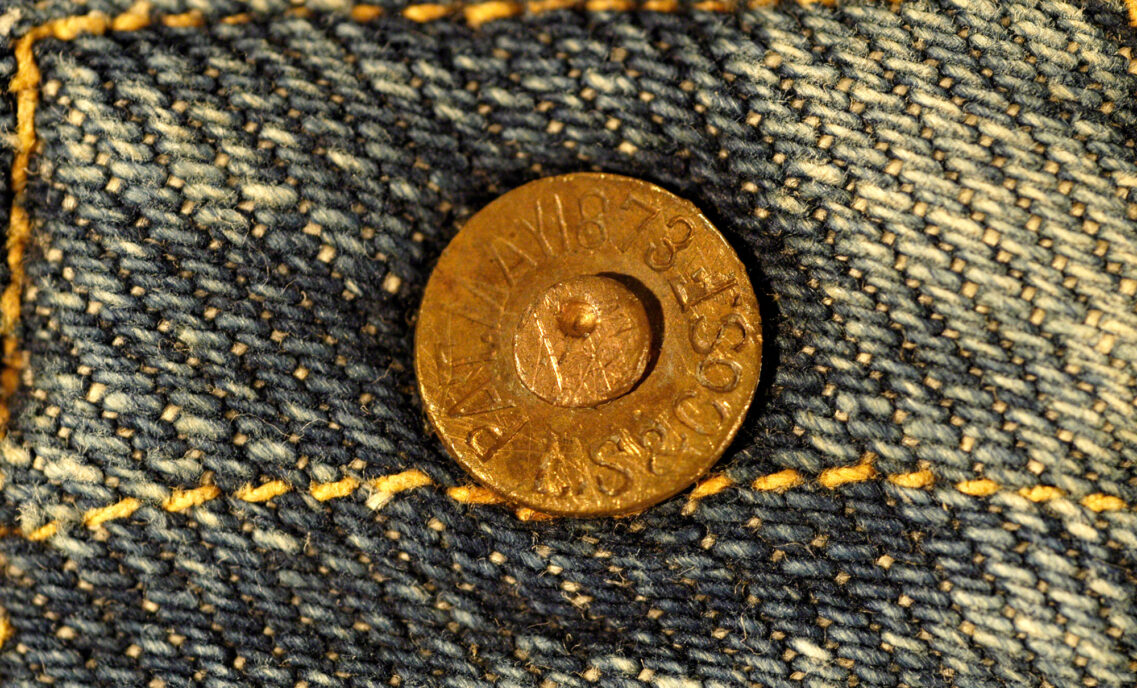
x: 705, y: 488
x: 609, y: 5
x: 842, y: 475
x: 365, y: 13
x: 427, y: 13
x: 400, y: 481
x: 44, y: 532
x: 243, y: 18
x: 782, y: 480
x: 1042, y: 493
x: 978, y: 488
x: 479, y: 13
x: 1103, y: 502
x: 122, y: 509
x: 712, y: 6
x: 184, y: 499
x: 539, y: 6
x: 483, y: 12
x: 342, y: 488
x: 6, y: 630
x: 710, y: 486
x: 135, y: 18
x: 192, y: 20
x: 25, y: 84
x: 474, y: 494
x: 524, y: 513
x: 384, y: 487
x: 923, y: 478
x: 262, y: 493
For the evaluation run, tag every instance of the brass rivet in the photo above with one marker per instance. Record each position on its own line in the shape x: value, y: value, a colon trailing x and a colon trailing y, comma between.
x: 588, y: 345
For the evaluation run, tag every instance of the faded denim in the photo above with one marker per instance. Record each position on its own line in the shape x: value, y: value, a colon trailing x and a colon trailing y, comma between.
x: 232, y: 226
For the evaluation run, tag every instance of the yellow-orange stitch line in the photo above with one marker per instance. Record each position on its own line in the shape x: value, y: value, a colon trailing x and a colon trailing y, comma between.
x: 474, y: 494
x: 341, y: 488
x: 121, y: 509
x: 263, y: 493
x: 407, y: 480
x: 6, y: 630
x: 915, y: 479
x: 44, y: 532
x: 1042, y: 493
x: 705, y: 488
x: 181, y: 500
x: 381, y: 489
x: 1103, y: 502
x: 981, y: 487
x: 843, y: 475
x: 777, y: 482
x: 711, y: 485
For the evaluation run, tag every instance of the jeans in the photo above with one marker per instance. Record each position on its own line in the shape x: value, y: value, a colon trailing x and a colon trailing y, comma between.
x: 215, y: 468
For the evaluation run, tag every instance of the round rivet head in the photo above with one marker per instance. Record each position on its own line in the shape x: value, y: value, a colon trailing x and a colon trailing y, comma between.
x: 588, y: 345
x: 582, y: 342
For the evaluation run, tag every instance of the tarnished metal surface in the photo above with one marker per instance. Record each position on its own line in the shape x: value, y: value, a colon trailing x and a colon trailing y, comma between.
x: 588, y: 345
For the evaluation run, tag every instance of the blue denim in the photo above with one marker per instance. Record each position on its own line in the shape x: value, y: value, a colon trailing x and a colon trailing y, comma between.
x: 232, y: 226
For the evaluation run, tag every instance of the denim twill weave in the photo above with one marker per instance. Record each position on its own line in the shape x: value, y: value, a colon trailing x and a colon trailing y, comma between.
x: 232, y: 227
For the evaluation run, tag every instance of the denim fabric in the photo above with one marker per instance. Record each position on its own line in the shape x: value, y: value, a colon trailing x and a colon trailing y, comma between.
x: 233, y: 223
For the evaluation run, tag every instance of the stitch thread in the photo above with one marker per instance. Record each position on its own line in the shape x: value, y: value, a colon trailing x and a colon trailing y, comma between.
x: 6, y: 630
x: 427, y: 13
x: 44, y: 532
x: 184, y: 499
x: 263, y: 493
x: 709, y: 486
x: 122, y: 509
x: 842, y: 475
x: 981, y: 487
x: 705, y: 488
x: 916, y: 479
x: 1103, y: 502
x: 1042, y: 493
x: 341, y: 488
x: 237, y: 18
x: 782, y: 480
x: 186, y: 20
x: 407, y: 480
x: 526, y: 514
x: 483, y: 12
x: 474, y: 494
x: 385, y: 487
x: 25, y: 84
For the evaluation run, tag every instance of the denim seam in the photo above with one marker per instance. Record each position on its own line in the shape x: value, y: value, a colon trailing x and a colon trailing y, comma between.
x: 380, y: 490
